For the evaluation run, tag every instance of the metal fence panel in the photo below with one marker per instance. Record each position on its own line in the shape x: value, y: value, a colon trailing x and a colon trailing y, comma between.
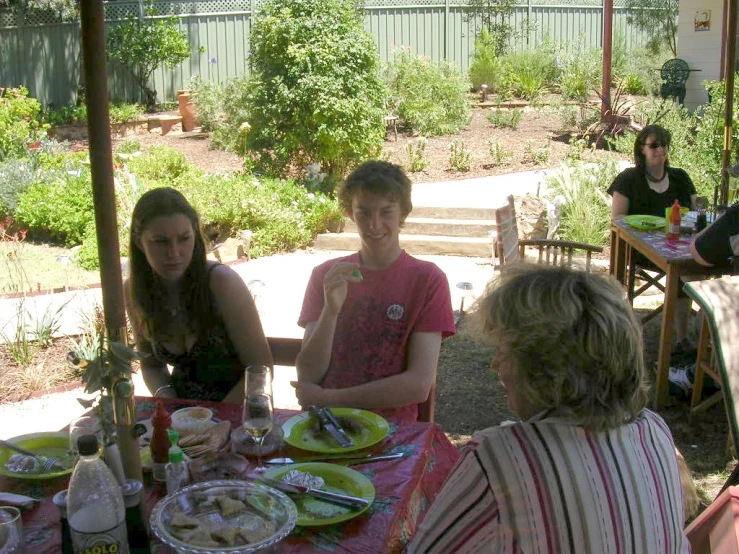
x: 41, y: 52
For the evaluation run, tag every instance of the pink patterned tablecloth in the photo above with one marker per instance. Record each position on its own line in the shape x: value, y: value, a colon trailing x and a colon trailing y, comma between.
x: 404, y: 490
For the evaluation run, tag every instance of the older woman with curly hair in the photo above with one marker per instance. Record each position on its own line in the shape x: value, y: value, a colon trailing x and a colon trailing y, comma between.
x: 588, y: 468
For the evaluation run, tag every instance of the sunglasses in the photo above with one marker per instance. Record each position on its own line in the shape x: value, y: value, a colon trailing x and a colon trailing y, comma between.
x: 655, y: 145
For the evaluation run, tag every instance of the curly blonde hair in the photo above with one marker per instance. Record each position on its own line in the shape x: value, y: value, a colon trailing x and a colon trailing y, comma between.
x: 575, y: 343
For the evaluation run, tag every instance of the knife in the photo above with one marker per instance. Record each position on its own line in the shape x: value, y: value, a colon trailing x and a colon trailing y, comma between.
x: 350, y: 460
x: 333, y: 497
x: 335, y: 422
x: 326, y: 424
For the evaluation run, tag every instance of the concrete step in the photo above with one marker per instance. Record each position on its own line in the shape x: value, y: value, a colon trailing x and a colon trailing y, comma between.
x: 452, y: 212
x: 413, y: 244
x: 440, y: 227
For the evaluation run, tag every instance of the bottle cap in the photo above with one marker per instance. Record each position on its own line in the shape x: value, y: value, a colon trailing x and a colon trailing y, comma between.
x: 161, y: 416
x: 174, y: 436
x: 87, y: 445
x: 176, y: 455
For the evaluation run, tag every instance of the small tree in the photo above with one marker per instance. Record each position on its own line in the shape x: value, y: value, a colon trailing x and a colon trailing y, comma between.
x: 494, y: 15
x: 141, y: 45
x: 316, y: 95
x: 658, y: 19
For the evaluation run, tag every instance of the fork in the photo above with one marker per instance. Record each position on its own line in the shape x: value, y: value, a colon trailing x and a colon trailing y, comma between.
x: 46, y: 463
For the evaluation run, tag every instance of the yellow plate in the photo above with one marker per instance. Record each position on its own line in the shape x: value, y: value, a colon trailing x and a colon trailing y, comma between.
x: 54, y: 445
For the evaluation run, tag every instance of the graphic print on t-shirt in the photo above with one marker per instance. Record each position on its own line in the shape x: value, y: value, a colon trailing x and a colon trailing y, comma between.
x: 395, y: 312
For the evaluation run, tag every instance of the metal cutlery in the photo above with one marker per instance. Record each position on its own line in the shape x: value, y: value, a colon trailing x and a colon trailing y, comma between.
x: 333, y: 497
x: 46, y: 463
x: 331, y: 425
x: 349, y: 459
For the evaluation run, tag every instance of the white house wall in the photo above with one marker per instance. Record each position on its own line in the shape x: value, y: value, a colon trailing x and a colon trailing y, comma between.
x: 701, y: 49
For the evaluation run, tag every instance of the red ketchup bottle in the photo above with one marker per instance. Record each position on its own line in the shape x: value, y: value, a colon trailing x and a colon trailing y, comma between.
x: 673, y: 228
x: 159, y: 444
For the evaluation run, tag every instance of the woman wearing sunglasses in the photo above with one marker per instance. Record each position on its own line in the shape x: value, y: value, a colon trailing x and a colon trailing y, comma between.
x: 651, y: 186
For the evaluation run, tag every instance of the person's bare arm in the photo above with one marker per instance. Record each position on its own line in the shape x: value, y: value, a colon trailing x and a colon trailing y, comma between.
x: 619, y: 205
x: 244, y: 328
x: 410, y: 387
x: 155, y: 373
x: 696, y: 255
x: 315, y: 354
x: 693, y: 202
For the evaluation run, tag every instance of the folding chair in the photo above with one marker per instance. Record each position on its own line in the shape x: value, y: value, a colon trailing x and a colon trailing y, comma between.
x: 716, y: 529
x: 285, y: 352
x: 719, y: 301
x: 550, y: 251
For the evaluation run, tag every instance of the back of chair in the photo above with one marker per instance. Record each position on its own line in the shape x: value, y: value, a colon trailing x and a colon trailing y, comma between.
x: 506, y: 232
x: 285, y: 352
x: 675, y: 72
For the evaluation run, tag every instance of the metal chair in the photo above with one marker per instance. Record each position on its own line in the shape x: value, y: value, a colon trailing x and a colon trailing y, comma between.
x: 285, y: 352
x: 674, y: 74
x: 551, y: 252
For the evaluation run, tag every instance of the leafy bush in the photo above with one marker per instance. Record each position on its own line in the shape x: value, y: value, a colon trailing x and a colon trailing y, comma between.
x: 124, y: 113
x: 504, y: 118
x: 530, y: 72
x: 316, y: 95
x: 429, y: 97
x: 208, y: 98
x: 486, y: 67
x: 19, y: 122
x: 416, y: 154
x: 160, y: 163
x: 580, y: 72
x: 59, y: 206
x: 16, y: 175
x: 66, y: 115
x: 535, y: 156
x: 586, y: 214
x: 460, y: 158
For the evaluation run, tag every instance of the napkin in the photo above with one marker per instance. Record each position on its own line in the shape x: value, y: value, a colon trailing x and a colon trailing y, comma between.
x: 11, y: 499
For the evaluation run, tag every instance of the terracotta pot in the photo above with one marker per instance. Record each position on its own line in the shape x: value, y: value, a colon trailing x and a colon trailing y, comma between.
x: 187, y: 110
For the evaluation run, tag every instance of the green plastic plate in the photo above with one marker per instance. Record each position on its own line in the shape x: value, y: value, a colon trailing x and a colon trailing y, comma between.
x: 299, y: 432
x: 42, y: 444
x: 646, y: 222
x: 313, y: 512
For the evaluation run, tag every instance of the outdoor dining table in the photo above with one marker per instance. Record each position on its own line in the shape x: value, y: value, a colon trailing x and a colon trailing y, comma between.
x: 675, y: 260
x: 404, y: 489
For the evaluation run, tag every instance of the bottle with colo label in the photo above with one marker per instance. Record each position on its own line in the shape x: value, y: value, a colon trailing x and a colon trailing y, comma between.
x: 95, y: 508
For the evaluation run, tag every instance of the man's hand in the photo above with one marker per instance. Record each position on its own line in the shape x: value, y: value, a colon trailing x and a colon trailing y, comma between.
x: 309, y: 393
x: 335, y: 285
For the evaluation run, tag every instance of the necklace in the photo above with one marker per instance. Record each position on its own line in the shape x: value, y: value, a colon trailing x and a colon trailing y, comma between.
x: 653, y: 179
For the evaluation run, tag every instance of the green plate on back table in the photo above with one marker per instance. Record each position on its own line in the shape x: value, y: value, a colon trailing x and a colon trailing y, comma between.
x: 646, y: 222
x: 313, y: 512
x: 42, y: 444
x: 299, y: 431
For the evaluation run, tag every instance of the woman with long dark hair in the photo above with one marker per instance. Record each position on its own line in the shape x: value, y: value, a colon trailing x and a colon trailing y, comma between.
x: 187, y: 312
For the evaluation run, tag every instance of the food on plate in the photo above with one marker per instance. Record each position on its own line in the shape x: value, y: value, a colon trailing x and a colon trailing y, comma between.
x: 202, y: 537
x: 189, y: 421
x: 220, y: 466
x: 228, y: 506
x: 225, y: 534
x: 213, y: 440
x: 256, y: 535
x: 183, y: 521
x: 303, y: 479
x: 351, y: 425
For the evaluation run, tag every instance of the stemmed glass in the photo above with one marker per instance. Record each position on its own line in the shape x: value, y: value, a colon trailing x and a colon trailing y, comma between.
x: 258, y: 411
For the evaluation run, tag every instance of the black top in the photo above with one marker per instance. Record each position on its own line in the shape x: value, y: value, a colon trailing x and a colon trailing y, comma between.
x: 721, y: 239
x: 632, y: 183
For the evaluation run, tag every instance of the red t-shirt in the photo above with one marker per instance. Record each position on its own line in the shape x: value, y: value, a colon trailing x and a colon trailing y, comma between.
x: 378, y: 318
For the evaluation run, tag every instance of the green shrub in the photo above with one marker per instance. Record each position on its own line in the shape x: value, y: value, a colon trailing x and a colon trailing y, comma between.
x: 209, y: 101
x: 160, y: 163
x: 129, y: 147
x: 537, y: 156
x: 316, y: 95
x: 460, y: 158
x: 66, y: 115
x: 504, y: 118
x: 486, y: 67
x: 580, y: 72
x: 19, y: 122
x: 586, y: 214
x: 498, y: 154
x: 531, y: 72
x: 430, y: 97
x: 16, y: 175
x: 60, y: 206
x: 416, y: 151
x: 125, y: 113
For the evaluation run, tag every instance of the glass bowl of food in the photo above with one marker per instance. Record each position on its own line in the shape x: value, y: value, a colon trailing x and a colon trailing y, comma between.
x: 236, y: 517
x: 222, y: 466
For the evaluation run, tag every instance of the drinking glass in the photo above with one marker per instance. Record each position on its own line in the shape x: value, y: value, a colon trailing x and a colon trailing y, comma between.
x: 258, y: 410
x: 85, y: 425
x: 11, y: 530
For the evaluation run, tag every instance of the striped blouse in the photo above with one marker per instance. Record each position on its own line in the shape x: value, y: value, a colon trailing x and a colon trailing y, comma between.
x: 548, y: 486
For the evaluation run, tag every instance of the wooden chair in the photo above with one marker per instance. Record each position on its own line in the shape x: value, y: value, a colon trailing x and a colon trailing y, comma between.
x: 285, y: 352
x: 511, y: 249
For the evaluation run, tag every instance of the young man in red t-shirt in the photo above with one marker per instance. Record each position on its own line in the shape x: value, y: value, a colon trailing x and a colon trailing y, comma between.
x: 374, y: 320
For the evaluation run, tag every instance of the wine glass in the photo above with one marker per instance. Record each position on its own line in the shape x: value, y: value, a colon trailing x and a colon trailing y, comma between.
x: 11, y: 530
x: 258, y: 411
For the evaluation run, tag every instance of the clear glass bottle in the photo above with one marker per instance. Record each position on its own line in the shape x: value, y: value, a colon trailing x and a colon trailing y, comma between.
x: 95, y: 508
